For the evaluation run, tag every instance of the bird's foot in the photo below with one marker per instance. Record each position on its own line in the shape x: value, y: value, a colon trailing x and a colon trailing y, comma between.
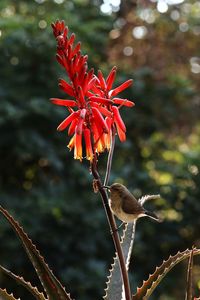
x: 117, y: 229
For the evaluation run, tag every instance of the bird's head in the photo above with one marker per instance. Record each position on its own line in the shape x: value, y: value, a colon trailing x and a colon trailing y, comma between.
x: 115, y: 187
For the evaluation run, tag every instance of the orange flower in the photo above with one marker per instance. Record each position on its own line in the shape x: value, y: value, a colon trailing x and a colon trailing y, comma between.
x: 88, y: 144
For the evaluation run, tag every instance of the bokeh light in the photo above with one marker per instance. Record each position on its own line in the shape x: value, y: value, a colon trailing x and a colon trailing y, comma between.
x: 139, y: 32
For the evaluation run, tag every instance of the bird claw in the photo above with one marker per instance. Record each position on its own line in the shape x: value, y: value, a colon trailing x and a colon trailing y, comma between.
x: 117, y: 229
x: 95, y: 185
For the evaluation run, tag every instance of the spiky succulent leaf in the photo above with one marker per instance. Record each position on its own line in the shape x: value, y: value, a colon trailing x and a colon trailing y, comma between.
x: 145, y: 291
x: 34, y: 291
x: 5, y: 296
x: 188, y: 295
x: 114, y: 288
x: 52, y: 286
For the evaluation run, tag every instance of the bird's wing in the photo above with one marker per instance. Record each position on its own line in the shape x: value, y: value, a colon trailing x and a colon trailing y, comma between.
x: 130, y: 205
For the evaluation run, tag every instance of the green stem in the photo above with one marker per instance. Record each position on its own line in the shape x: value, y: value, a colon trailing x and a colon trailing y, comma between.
x: 110, y: 156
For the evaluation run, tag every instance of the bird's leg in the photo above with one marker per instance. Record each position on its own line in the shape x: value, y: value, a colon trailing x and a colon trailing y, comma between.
x: 122, y: 223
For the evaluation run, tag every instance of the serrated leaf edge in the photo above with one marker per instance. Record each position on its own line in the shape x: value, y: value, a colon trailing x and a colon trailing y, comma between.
x: 3, y: 292
x: 115, y: 259
x: 143, y: 292
x: 25, y: 239
x: 34, y: 291
x: 189, y: 292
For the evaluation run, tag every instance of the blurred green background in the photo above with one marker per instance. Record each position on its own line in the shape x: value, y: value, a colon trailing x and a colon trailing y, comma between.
x: 157, y: 44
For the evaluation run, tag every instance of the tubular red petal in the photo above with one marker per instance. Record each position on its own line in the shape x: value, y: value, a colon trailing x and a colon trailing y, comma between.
x: 66, y: 87
x: 72, y: 126
x: 123, y: 102
x: 62, y: 60
x: 78, y: 146
x: 90, y: 74
x: 60, y: 52
x: 89, y: 94
x: 95, y: 132
x: 121, y: 133
x: 100, y: 144
x: 61, y: 42
x: 97, y: 91
x: 76, y: 49
x: 120, y: 88
x: 102, y: 109
x: 81, y: 96
x: 71, y: 39
x: 108, y: 136
x: 71, y: 143
x: 101, y: 100
x: 82, y: 61
x: 88, y: 144
x: 65, y: 32
x: 58, y: 28
x: 117, y: 118
x: 82, y: 72
x: 101, y: 80
x: 89, y: 80
x: 110, y: 79
x: 107, y: 140
x: 79, y: 63
x: 85, y: 82
x: 67, y: 121
x: 69, y: 53
x: 85, y: 58
x: 109, y: 122
x: 59, y: 59
x: 99, y: 120
x: 71, y: 69
x: 79, y: 127
x: 62, y: 25
x: 75, y: 80
x: 91, y: 83
x: 99, y: 128
x: 63, y: 102
x: 75, y: 60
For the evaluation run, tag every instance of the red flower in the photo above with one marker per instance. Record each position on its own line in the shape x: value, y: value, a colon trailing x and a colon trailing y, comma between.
x: 106, y: 95
x: 92, y: 107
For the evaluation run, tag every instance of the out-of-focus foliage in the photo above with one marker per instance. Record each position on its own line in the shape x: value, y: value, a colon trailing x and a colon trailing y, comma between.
x: 47, y: 190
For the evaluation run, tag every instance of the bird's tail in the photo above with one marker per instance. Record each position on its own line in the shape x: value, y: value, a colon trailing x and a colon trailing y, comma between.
x: 152, y: 216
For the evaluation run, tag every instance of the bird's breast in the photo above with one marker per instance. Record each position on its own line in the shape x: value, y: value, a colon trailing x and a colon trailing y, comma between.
x: 116, y: 208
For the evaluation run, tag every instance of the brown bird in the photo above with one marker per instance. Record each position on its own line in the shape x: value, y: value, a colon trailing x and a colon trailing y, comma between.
x: 124, y: 205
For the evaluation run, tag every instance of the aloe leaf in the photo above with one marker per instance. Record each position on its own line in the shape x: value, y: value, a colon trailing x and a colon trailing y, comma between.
x: 51, y: 284
x: 188, y: 295
x: 114, y: 287
x: 34, y: 291
x: 5, y: 296
x: 148, y: 286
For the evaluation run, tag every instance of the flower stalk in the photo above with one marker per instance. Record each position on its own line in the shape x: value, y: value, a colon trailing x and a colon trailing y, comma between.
x: 110, y: 157
x: 113, y: 228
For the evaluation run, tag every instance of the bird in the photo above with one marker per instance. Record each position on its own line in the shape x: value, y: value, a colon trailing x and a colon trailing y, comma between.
x: 125, y: 206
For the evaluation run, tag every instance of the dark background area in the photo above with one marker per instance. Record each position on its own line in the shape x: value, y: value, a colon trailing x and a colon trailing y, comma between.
x: 155, y: 43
